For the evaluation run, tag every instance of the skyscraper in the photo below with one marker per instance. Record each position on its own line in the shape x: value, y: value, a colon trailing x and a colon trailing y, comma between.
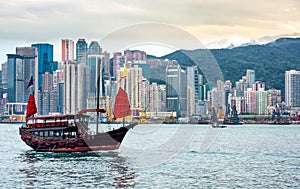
x: 15, y: 80
x: 154, y: 98
x: 94, y: 48
x: 61, y: 90
x: 261, y: 101
x: 250, y: 100
x: 117, y: 60
x: 71, y: 85
x: 47, y: 95
x: 292, y: 88
x: 92, y: 77
x: 193, y: 89
x: 106, y: 65
x: 81, y: 52
x: 58, y: 76
x: 250, y: 78
x: 274, y: 97
x: 218, y: 96
x: 45, y: 60
x: 20, y: 67
x: 133, y: 81
x: 176, y: 89
x: 67, y: 47
x: 4, y: 75
x: 30, y: 66
x: 82, y: 91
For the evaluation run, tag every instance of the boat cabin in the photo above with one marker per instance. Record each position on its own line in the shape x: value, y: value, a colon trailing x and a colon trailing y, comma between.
x: 63, y: 126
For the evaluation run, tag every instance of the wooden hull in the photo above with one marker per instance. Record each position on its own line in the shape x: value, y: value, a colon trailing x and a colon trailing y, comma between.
x: 102, y: 141
x: 78, y: 149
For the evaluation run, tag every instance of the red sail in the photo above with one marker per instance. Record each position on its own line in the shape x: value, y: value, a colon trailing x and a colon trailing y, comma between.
x: 31, y: 107
x: 122, y: 106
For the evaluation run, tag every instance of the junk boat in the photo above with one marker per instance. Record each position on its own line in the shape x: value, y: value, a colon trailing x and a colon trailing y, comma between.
x: 71, y: 132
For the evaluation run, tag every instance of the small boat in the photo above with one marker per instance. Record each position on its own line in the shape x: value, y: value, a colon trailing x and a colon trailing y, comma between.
x: 72, y: 132
x: 215, y: 122
x: 12, y: 119
x: 170, y: 120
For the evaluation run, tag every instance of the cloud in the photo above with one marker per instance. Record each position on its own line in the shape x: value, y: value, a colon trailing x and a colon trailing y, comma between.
x: 50, y: 20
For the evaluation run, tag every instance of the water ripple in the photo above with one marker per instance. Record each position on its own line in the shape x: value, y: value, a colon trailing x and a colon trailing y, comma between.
x: 240, y: 157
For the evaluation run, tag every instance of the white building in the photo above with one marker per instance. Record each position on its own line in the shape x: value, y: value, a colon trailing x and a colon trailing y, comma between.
x: 71, y: 92
x: 292, y: 88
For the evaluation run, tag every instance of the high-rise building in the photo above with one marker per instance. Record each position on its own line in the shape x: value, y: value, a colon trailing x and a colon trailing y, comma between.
x: 106, y: 65
x: 193, y: 89
x: 238, y: 102
x: 15, y: 81
x: 240, y: 87
x: 250, y: 78
x: 4, y: 75
x: 258, y: 85
x: 176, y: 89
x: 47, y: 79
x: 58, y: 76
x: 53, y: 102
x: 191, y: 106
x: 117, y: 60
x: 134, y: 56
x: 71, y: 87
x: 45, y: 104
x: 67, y: 50
x: 45, y: 64
x: 144, y: 94
x: 292, y: 88
x: 261, y: 101
x: 133, y: 80
x: 20, y: 67
x: 228, y: 89
x: 61, y: 90
x: 94, y: 48
x: 30, y: 64
x: 48, y: 96
x: 218, y: 96
x: 274, y: 97
x: 146, y: 69
x: 92, y: 74
x: 45, y: 60
x: 81, y: 52
x: 154, y: 101
x: 82, y: 91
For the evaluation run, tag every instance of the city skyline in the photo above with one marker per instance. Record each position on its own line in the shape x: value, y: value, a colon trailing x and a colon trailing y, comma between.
x: 249, y: 94
x: 214, y: 23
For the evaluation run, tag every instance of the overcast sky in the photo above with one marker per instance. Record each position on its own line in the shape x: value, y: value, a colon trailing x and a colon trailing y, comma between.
x: 24, y: 22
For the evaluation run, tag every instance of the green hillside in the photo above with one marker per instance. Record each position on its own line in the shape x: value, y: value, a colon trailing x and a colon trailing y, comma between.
x: 269, y: 61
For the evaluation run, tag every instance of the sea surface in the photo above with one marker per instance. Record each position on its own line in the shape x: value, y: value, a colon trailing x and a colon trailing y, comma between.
x: 163, y: 156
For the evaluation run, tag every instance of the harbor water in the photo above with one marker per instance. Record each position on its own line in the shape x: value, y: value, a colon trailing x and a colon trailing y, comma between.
x: 163, y: 156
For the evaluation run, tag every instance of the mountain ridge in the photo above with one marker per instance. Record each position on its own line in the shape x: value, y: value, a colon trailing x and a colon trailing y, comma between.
x: 270, y: 60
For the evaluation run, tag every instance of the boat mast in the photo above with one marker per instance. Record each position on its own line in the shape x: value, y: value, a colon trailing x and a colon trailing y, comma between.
x: 98, y: 92
x: 125, y: 80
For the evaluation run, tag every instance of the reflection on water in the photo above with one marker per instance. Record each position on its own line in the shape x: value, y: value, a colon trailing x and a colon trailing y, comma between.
x: 91, y: 169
